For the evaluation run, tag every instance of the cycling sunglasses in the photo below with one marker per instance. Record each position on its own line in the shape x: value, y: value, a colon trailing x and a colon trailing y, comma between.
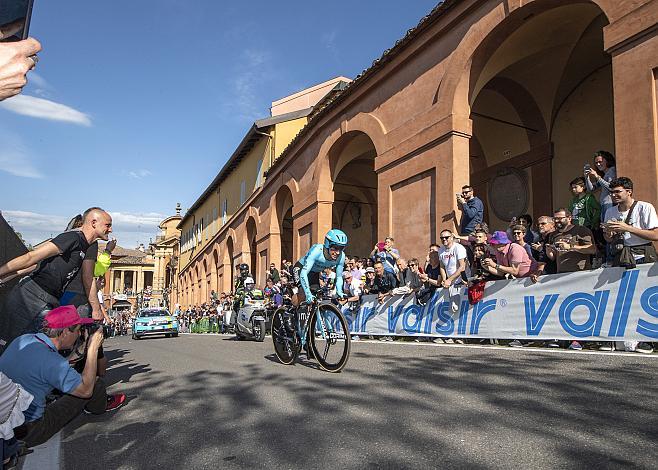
x: 336, y: 247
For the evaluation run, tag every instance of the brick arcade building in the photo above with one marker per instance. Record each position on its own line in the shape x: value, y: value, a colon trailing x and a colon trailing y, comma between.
x: 513, y: 96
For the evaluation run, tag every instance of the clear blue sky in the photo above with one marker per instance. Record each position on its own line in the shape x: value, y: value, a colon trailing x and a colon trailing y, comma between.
x: 135, y: 106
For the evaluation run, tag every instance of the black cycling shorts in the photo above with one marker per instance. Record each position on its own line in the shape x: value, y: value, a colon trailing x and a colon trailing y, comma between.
x: 313, y: 277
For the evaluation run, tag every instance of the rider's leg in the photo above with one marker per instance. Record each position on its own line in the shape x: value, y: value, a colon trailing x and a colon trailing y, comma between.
x: 299, y: 297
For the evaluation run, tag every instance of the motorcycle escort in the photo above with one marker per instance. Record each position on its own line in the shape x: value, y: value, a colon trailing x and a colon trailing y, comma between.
x: 251, y: 317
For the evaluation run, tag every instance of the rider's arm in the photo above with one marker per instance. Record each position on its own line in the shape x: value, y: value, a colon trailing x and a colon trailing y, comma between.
x: 312, y: 256
x: 339, y: 275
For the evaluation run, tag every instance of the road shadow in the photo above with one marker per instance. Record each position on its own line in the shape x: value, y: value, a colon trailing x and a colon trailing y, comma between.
x: 386, y: 411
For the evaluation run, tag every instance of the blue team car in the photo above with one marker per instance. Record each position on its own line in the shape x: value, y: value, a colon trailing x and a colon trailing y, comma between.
x: 154, y: 321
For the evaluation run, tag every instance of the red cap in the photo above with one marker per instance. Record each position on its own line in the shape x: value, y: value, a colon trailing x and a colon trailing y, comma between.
x: 65, y: 317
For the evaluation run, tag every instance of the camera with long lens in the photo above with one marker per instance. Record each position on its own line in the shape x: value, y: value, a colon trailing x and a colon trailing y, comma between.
x: 91, y: 329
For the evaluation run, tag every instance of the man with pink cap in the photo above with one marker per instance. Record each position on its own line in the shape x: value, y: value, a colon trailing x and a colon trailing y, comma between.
x: 34, y: 362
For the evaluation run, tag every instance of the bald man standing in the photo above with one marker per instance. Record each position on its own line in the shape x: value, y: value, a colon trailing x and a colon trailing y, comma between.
x: 50, y: 268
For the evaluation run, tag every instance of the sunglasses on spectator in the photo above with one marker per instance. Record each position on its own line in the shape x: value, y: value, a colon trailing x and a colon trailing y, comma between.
x: 446, y: 238
x: 519, y: 233
x: 413, y: 264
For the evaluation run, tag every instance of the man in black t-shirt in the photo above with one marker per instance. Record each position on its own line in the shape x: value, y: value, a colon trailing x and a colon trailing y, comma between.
x: 51, y: 268
x: 571, y: 246
x: 431, y: 278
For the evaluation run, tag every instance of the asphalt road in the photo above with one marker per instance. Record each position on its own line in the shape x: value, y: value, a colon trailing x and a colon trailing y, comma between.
x: 212, y: 402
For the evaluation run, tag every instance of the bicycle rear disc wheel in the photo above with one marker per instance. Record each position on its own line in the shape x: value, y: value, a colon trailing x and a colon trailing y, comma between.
x: 329, y: 337
x: 286, y: 347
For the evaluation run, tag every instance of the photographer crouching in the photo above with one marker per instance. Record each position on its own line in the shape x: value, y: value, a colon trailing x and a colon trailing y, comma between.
x: 34, y: 362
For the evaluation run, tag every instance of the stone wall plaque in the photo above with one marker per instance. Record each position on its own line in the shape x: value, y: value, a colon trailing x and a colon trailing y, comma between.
x: 508, y: 193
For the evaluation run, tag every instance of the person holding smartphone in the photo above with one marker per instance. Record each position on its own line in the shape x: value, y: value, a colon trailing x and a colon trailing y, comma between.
x: 600, y: 177
x: 472, y: 209
x: 386, y: 254
x: 17, y: 50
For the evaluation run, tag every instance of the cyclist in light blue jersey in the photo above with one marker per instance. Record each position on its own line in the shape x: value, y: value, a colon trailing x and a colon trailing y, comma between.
x: 330, y: 254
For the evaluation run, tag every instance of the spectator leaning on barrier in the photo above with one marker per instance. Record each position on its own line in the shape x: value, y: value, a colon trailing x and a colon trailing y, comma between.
x: 414, y: 277
x: 472, y: 210
x: 433, y: 247
x: 511, y: 259
x: 546, y: 228
x: 53, y: 265
x: 34, y: 362
x: 571, y: 246
x: 352, y: 288
x: 641, y: 229
x: 407, y: 276
x: 478, y: 271
x: 631, y: 227
x: 431, y: 278
x: 518, y: 236
x: 385, y: 281
x: 453, y: 260
x: 369, y: 286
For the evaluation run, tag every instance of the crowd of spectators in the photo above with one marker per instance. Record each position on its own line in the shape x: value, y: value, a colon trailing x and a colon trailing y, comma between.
x: 611, y: 230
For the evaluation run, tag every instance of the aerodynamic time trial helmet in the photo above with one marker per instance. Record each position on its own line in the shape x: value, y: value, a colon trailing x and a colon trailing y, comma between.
x: 335, y: 237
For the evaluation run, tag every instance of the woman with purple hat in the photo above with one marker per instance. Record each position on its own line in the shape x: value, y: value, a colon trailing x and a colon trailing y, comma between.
x: 511, y: 259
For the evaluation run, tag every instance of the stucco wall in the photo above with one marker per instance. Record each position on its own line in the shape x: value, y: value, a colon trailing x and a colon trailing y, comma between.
x: 575, y: 143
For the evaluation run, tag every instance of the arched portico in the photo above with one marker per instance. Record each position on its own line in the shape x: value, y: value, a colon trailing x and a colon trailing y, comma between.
x: 281, y: 226
x: 350, y: 164
x: 228, y: 265
x: 540, y: 105
x: 250, y: 249
x: 216, y: 286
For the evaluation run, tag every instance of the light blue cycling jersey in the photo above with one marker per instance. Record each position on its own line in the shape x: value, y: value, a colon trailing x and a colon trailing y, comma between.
x: 314, y: 261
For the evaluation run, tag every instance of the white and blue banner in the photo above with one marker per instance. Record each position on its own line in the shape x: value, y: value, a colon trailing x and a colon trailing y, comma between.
x: 604, y: 304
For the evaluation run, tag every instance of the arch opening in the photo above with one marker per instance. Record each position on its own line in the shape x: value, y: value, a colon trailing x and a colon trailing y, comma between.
x: 354, y: 209
x: 284, y: 206
x: 541, y: 105
x: 251, y: 240
x: 229, y: 254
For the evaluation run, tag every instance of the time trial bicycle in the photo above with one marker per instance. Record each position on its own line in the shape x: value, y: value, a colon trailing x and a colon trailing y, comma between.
x: 318, y: 327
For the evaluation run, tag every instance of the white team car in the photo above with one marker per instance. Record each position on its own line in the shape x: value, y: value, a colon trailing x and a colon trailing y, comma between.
x: 154, y: 321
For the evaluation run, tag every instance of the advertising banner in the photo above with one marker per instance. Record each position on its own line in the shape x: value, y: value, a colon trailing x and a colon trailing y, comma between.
x: 605, y: 304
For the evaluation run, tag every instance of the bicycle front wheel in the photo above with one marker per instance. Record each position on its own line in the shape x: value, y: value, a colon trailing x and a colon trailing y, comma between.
x: 285, y: 341
x: 329, y: 337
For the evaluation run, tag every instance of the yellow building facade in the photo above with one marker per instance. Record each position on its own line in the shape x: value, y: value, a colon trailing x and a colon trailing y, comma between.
x: 165, y: 251
x: 202, y: 266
